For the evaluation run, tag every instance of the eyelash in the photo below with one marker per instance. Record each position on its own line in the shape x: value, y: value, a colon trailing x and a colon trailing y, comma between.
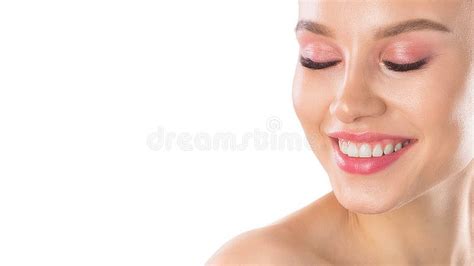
x: 390, y: 65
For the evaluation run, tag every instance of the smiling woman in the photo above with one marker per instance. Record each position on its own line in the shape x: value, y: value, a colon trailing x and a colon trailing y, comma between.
x: 384, y: 91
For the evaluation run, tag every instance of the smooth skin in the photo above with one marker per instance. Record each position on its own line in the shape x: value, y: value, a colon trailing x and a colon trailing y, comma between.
x: 419, y: 210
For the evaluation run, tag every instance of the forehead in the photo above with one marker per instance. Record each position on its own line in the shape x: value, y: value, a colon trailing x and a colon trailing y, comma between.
x: 348, y: 17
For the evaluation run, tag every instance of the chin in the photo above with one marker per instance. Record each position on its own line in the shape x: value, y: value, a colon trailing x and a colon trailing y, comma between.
x: 366, y: 200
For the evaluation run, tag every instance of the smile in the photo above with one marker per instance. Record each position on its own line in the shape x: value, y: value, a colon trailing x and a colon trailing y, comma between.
x: 369, y: 152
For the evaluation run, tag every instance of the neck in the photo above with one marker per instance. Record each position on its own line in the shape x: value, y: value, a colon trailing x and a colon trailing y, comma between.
x: 436, y: 227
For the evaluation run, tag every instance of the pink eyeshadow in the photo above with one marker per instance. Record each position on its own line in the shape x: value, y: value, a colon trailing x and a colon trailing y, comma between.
x: 317, y: 49
x: 404, y: 52
x: 319, y: 53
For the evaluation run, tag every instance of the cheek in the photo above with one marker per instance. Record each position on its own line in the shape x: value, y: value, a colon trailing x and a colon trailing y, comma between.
x: 311, y: 100
x: 442, y: 98
x: 438, y: 103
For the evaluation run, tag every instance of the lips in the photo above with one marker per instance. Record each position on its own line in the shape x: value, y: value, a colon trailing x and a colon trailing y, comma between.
x: 366, y: 166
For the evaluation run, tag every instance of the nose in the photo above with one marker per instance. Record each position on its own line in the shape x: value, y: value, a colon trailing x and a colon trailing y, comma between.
x: 356, y: 99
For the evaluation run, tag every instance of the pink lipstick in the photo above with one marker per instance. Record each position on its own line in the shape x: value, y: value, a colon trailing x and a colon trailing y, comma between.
x: 367, y: 165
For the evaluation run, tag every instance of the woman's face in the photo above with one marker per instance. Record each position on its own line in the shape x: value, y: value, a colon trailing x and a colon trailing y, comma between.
x: 429, y: 101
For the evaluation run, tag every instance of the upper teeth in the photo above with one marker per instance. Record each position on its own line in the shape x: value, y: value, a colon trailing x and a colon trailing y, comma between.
x: 365, y: 150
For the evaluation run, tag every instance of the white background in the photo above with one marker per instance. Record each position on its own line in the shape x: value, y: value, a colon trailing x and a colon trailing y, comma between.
x: 83, y: 86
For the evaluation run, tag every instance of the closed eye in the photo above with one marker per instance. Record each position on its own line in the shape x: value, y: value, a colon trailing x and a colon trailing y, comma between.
x: 405, y: 67
x: 308, y: 63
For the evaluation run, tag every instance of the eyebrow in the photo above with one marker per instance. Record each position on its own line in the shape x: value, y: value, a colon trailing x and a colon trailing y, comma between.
x: 388, y: 31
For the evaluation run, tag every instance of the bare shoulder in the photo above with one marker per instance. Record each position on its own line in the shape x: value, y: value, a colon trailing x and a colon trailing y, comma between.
x: 272, y: 245
x: 292, y: 240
